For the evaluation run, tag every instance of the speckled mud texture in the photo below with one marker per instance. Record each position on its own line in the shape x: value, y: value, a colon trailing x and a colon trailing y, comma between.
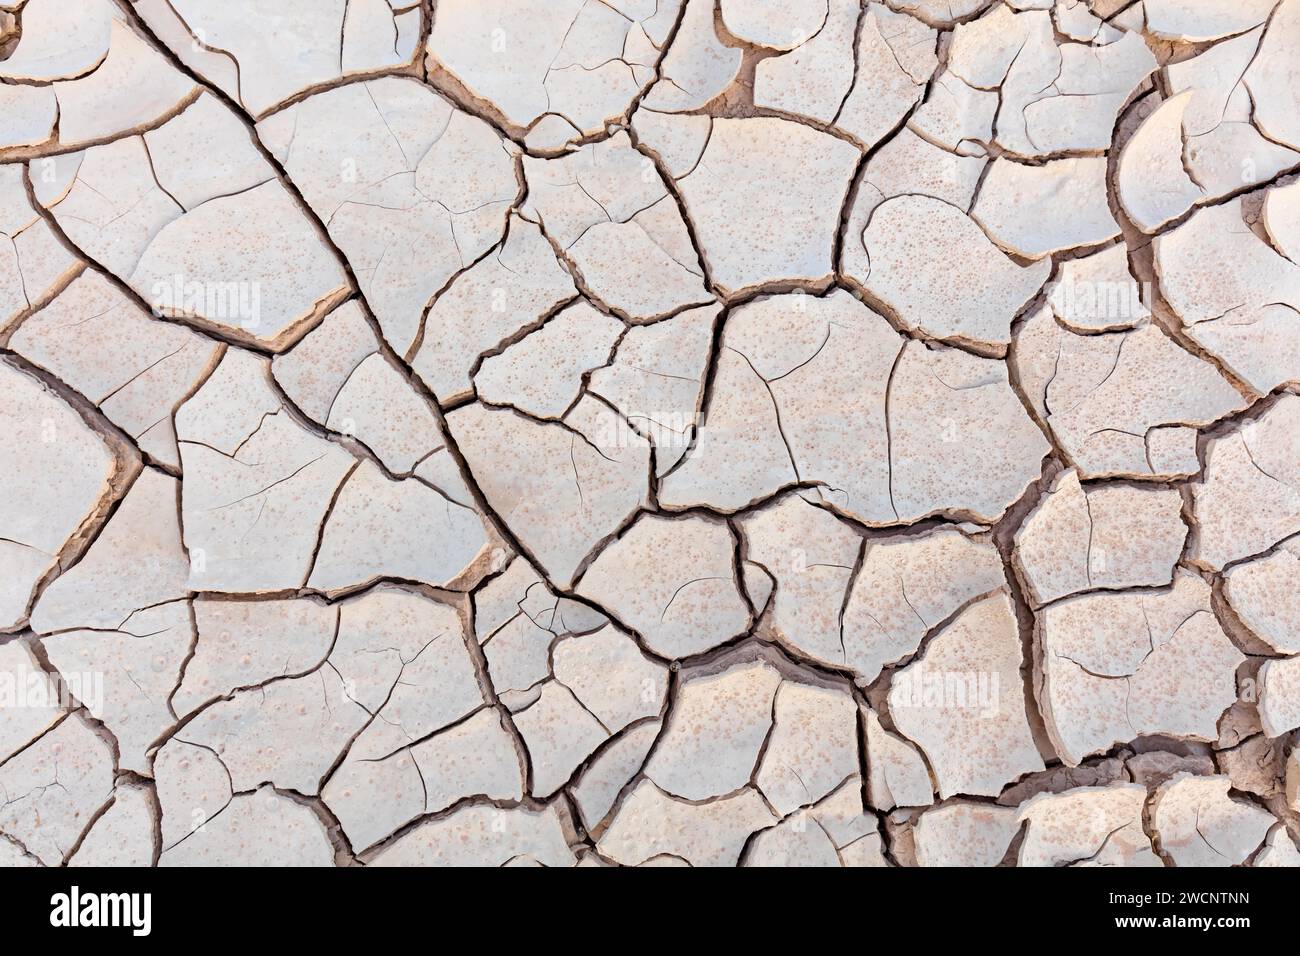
x: 650, y: 432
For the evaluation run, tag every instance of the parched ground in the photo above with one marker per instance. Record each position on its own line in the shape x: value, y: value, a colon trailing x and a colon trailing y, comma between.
x: 650, y: 432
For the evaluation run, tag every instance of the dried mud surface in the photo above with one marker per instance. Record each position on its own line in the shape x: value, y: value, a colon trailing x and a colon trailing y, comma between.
x: 649, y: 433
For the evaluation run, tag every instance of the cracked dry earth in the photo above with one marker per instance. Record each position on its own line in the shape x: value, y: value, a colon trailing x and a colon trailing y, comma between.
x: 650, y: 432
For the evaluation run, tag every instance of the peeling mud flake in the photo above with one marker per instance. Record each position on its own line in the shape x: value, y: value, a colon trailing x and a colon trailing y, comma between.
x: 262, y: 828
x: 810, y: 555
x: 123, y: 836
x: 758, y: 200
x: 55, y: 471
x: 1032, y: 211
x: 641, y: 579
x: 1249, y: 499
x: 651, y: 823
x: 960, y: 441
x: 561, y: 487
x: 1198, y: 823
x: 26, y: 716
x: 963, y: 703
x: 145, y: 654
x: 907, y: 586
x: 1116, y: 667
x: 279, y: 51
x: 483, y: 836
x: 373, y: 161
x: 258, y: 483
x: 715, y: 734
x: 812, y: 748
x: 913, y: 244
x: 137, y: 370
x: 835, y: 832
x: 1259, y: 592
x: 898, y: 775
x: 1102, y: 536
x: 1087, y: 826
x: 964, y: 833
x: 1195, y: 20
x: 815, y: 74
x: 582, y: 63
x: 53, y: 788
x: 1121, y: 404
x: 1236, y: 293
